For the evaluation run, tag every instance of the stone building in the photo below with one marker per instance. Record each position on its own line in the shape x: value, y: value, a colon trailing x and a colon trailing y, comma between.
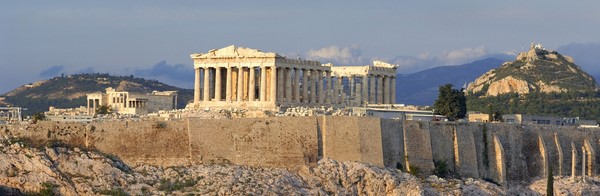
x: 249, y: 78
x: 11, y: 114
x: 123, y: 102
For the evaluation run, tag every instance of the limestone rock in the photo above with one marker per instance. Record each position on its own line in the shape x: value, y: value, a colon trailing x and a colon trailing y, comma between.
x: 537, y: 70
x: 508, y: 85
x: 80, y: 172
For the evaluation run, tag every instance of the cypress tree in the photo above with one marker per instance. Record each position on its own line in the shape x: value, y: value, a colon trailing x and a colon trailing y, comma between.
x: 550, y: 183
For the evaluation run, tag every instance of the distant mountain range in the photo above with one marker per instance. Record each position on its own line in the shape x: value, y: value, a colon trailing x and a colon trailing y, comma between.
x: 421, y: 88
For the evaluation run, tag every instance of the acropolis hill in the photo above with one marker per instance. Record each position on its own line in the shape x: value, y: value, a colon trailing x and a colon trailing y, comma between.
x: 241, y: 78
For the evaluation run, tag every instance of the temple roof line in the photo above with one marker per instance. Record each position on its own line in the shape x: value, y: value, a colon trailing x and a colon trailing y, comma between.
x: 234, y: 52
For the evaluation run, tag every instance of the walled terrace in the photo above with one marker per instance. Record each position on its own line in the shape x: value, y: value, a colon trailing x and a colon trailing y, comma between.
x: 496, y: 151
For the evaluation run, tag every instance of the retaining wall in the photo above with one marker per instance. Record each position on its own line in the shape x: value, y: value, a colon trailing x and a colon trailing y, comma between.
x: 496, y: 151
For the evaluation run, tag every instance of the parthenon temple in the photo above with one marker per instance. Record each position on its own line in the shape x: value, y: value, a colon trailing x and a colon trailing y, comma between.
x: 249, y: 78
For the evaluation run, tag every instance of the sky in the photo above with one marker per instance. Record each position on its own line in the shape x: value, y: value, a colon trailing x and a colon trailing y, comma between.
x: 153, y: 39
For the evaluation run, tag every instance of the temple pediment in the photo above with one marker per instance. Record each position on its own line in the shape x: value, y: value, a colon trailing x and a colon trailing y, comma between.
x: 235, y: 52
x: 384, y: 64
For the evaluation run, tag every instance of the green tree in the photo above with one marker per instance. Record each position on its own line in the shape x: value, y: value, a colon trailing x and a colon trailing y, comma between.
x: 494, y: 115
x: 38, y: 117
x: 451, y: 103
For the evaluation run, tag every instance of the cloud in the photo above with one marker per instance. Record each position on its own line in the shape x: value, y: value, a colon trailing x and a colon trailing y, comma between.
x: 411, y: 64
x: 585, y: 55
x: 463, y: 55
x: 178, y: 75
x: 338, y: 55
x: 52, y: 71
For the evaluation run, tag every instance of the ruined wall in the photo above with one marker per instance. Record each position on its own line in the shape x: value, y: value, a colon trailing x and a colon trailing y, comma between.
x: 497, y: 151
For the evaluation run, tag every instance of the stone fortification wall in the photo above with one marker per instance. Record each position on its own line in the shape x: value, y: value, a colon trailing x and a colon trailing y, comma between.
x: 466, y: 153
x: 442, y: 143
x: 496, y: 151
x: 154, y: 142
x: 352, y: 139
x: 418, y: 154
x: 392, y: 138
x: 278, y: 142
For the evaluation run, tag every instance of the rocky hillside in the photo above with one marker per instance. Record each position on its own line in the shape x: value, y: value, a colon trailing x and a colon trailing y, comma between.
x: 538, y: 82
x: 56, y: 169
x: 537, y: 70
x: 70, y: 91
x: 421, y: 88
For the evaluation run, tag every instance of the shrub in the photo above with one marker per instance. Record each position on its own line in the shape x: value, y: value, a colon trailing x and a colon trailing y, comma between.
x: 441, y: 168
x: 399, y: 166
x: 414, y: 170
x: 113, y: 192
x: 168, y: 186
x: 159, y: 125
x: 47, y: 190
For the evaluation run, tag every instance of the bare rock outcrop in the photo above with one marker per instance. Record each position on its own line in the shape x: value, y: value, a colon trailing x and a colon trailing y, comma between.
x: 508, y: 85
x: 73, y: 171
x: 536, y: 70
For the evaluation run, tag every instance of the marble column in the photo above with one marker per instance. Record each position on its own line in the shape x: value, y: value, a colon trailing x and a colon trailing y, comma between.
x: 393, y: 90
x: 380, y: 90
x: 386, y: 89
x: 273, y: 84
x: 280, y: 82
x: 305, y: 85
x: 340, y: 92
x: 365, y: 88
x: 218, y: 85
x: 206, y: 84
x: 263, y: 84
x: 313, y: 86
x: 328, y: 87
x: 372, y: 92
x: 297, y: 85
x: 358, y: 94
x: 334, y: 90
x: 320, y: 86
x: 228, y: 85
x: 251, y: 84
x: 288, y: 85
x: 351, y: 90
x: 196, y: 87
x: 240, y: 84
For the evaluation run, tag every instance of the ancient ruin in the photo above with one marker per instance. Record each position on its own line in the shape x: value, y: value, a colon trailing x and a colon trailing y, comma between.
x: 123, y: 102
x: 249, y: 78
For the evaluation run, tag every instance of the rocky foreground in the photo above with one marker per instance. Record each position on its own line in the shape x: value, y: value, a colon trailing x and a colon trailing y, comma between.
x: 73, y: 171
